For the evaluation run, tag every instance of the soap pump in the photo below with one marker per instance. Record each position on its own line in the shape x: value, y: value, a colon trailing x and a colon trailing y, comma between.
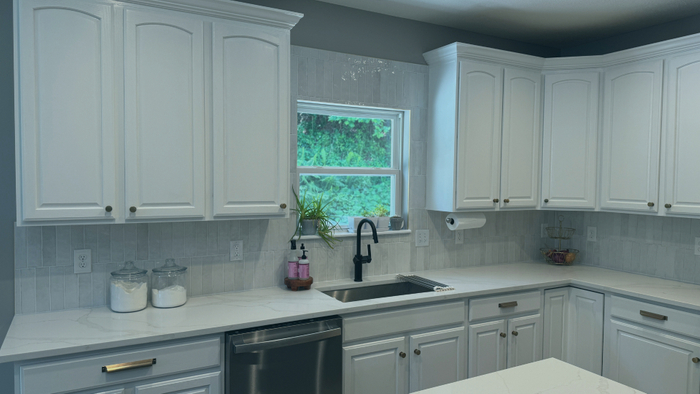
x: 304, y: 266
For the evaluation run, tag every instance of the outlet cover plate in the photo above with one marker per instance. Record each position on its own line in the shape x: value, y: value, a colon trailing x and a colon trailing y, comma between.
x: 697, y: 246
x: 82, y: 261
x: 422, y: 238
x: 236, y: 252
x: 459, y: 237
x: 592, y: 234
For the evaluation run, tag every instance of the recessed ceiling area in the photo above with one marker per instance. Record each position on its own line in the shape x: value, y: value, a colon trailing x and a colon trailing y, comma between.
x: 553, y: 23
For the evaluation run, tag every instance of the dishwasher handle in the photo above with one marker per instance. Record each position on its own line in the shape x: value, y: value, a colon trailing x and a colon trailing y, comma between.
x: 289, y: 341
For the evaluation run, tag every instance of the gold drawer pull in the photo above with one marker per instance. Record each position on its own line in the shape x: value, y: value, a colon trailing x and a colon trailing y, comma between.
x: 653, y: 315
x: 508, y: 304
x: 130, y: 365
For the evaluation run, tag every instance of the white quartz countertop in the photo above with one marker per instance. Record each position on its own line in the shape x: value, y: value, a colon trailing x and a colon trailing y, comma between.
x: 549, y: 376
x: 72, y: 331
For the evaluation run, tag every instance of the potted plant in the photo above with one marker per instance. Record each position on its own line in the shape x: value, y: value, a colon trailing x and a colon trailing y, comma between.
x: 312, y: 219
x: 379, y: 215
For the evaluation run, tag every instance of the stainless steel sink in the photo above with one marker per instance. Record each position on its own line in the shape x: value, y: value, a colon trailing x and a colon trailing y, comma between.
x: 375, y: 291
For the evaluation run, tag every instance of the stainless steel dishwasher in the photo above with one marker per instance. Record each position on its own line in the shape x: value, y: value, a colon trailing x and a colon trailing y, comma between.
x: 301, y: 357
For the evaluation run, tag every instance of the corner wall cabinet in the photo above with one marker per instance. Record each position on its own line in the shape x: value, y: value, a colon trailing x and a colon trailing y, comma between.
x: 484, y: 132
x: 504, y: 331
x: 113, y: 109
x: 573, y: 327
x: 404, y: 351
x: 570, y: 140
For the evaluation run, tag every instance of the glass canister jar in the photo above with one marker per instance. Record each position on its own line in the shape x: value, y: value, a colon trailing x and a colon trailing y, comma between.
x: 128, y: 289
x: 169, y: 286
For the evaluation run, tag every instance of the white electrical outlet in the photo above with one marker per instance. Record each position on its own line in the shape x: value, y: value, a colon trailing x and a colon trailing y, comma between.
x: 592, y: 234
x: 543, y: 231
x: 82, y: 261
x: 459, y: 237
x: 422, y: 238
x: 697, y: 246
x: 236, y: 251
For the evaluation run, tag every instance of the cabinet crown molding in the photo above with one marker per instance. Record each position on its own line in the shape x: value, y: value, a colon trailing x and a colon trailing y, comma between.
x: 476, y: 52
x: 232, y: 10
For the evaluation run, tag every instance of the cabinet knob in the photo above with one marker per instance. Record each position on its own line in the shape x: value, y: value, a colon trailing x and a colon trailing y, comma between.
x: 650, y: 204
x: 132, y: 209
x: 696, y: 360
x: 503, y: 334
x: 515, y: 333
x: 108, y: 208
x: 507, y: 200
x: 667, y: 206
x: 495, y: 200
x: 417, y: 352
x: 402, y: 355
x: 283, y: 205
x: 546, y: 200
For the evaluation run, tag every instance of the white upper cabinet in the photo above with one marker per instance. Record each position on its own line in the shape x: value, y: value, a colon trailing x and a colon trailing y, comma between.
x: 251, y: 121
x: 164, y: 115
x: 484, y: 129
x: 65, y: 131
x: 682, y: 136
x: 147, y: 111
x: 478, y: 135
x: 570, y: 140
x: 631, y: 137
x: 521, y: 139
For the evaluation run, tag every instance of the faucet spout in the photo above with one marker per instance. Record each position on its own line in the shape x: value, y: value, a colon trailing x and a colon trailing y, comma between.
x: 359, y: 259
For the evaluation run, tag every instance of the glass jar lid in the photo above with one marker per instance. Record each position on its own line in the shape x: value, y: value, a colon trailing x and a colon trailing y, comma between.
x: 129, y: 271
x: 169, y: 269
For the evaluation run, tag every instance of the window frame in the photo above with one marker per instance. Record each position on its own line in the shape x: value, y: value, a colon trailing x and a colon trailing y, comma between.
x: 399, y: 154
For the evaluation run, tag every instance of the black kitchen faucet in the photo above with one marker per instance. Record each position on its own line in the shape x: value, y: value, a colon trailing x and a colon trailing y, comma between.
x: 359, y: 259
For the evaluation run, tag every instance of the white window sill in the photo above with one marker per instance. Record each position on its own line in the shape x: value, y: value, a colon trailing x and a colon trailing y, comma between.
x: 345, y: 234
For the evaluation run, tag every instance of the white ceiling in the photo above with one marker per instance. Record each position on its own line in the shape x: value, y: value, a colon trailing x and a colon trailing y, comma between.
x: 555, y: 23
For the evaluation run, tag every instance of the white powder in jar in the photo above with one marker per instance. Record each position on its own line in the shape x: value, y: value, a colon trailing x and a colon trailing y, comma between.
x: 126, y: 296
x: 169, y: 297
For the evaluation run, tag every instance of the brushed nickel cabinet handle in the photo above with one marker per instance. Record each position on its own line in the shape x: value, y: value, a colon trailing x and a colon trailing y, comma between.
x: 653, y: 315
x: 417, y: 352
x: 130, y: 365
x: 650, y: 204
x: 510, y: 304
x: 546, y: 200
x: 503, y: 334
x: 132, y: 209
x: 283, y: 205
x: 495, y: 200
x: 108, y: 208
x: 402, y: 355
x: 667, y: 206
x: 515, y: 333
x: 507, y: 200
x: 696, y: 360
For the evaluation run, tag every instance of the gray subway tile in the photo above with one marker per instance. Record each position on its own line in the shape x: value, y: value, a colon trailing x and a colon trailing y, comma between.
x: 43, y: 289
x: 104, y: 244
x: 34, y: 250
x: 20, y: 247
x: 142, y: 241
x: 116, y: 243
x: 57, y: 288
x: 64, y: 254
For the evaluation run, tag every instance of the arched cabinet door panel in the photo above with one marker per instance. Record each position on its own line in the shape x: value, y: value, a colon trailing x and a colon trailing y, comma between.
x: 251, y: 121
x: 65, y: 125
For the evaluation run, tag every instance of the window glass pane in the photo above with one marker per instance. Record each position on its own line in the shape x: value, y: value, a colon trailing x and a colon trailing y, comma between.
x: 350, y: 195
x: 337, y: 141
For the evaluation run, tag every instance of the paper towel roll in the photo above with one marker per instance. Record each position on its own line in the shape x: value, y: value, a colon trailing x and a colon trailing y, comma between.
x: 462, y: 221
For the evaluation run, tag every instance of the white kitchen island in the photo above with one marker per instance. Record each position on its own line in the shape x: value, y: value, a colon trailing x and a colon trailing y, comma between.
x: 549, y: 376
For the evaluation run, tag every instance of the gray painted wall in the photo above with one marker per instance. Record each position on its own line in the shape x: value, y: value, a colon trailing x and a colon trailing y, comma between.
x: 662, y: 32
x: 7, y: 185
x: 347, y: 30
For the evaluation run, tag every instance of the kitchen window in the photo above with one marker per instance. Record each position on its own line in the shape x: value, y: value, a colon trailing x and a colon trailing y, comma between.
x: 354, y: 156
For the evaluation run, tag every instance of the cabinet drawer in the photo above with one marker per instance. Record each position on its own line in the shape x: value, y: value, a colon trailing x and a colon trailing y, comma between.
x: 503, y: 305
x: 657, y: 316
x: 410, y: 319
x: 87, y: 372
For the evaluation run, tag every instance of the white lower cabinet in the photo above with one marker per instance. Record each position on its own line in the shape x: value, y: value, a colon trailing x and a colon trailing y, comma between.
x: 640, y: 356
x: 573, y: 327
x: 184, y: 367
x: 514, y: 339
x: 404, y: 351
